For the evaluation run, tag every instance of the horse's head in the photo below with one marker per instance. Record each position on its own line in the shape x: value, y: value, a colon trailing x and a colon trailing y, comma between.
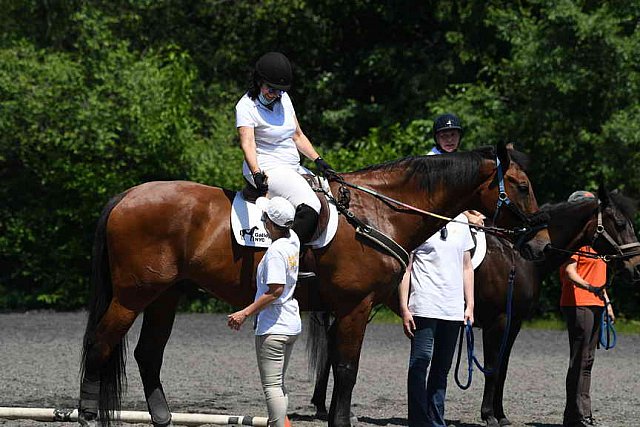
x: 613, y: 232
x: 508, y: 197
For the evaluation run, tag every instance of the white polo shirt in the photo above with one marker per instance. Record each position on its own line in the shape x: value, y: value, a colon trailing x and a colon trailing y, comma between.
x: 279, y: 266
x: 273, y: 130
x: 437, y: 289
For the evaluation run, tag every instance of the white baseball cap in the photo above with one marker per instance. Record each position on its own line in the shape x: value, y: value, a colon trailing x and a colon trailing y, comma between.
x: 279, y: 210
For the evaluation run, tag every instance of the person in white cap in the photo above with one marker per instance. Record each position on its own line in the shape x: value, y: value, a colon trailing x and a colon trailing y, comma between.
x: 277, y: 322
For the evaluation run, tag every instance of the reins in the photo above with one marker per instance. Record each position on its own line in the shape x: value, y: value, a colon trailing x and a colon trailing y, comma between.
x: 534, y: 222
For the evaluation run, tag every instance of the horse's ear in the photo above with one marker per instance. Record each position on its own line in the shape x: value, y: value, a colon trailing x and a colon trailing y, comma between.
x: 503, y: 155
x: 603, y: 194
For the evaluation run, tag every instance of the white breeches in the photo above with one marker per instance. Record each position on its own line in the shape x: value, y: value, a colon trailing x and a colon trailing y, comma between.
x: 288, y: 183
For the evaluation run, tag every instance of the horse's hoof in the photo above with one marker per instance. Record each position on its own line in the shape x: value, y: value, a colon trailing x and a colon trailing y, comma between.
x: 492, y: 422
x: 505, y: 422
x: 321, y: 415
x: 87, y: 423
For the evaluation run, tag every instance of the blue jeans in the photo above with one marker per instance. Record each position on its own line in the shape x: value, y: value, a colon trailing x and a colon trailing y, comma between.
x: 434, y: 343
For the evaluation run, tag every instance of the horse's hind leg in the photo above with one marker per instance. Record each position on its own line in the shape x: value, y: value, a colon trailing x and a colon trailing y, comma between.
x: 104, y: 363
x: 322, y: 380
x: 156, y: 329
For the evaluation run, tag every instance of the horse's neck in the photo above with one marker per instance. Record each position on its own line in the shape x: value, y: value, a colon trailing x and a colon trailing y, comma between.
x: 411, y: 229
x: 568, y: 231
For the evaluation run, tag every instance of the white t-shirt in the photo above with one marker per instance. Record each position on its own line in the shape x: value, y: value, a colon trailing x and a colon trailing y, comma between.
x: 273, y: 130
x: 279, y: 266
x: 437, y: 289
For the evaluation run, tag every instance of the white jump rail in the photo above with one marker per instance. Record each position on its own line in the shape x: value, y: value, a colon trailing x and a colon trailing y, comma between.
x: 178, y: 418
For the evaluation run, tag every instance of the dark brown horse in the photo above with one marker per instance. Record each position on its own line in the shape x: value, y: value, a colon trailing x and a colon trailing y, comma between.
x: 571, y: 226
x: 156, y: 235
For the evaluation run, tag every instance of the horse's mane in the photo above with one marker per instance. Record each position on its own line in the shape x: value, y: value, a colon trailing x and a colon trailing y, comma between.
x: 463, y: 165
x: 627, y: 205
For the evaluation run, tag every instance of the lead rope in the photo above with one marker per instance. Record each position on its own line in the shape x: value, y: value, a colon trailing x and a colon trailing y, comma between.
x: 608, y: 335
x: 467, y: 330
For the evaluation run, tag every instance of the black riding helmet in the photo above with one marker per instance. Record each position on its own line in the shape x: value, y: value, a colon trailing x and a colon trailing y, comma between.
x: 445, y: 122
x: 274, y: 69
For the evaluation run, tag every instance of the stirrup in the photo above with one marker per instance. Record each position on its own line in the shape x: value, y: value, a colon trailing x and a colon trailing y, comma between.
x: 306, y: 274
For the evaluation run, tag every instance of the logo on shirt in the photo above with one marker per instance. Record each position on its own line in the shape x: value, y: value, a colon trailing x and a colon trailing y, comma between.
x: 253, y: 234
x: 292, y: 261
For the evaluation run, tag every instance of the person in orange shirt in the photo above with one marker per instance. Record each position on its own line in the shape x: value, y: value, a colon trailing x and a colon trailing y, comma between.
x: 582, y: 303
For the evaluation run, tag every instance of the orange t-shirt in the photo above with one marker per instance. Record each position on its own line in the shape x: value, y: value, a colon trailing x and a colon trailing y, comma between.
x: 593, y: 270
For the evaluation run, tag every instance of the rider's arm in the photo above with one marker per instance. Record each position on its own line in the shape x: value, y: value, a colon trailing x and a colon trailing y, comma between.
x: 248, y: 145
x: 303, y: 144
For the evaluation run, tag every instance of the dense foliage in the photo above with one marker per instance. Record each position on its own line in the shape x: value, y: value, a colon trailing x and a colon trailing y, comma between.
x: 99, y: 96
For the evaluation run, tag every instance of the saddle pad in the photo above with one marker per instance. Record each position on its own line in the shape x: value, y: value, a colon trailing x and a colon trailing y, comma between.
x: 481, y: 247
x: 248, y: 229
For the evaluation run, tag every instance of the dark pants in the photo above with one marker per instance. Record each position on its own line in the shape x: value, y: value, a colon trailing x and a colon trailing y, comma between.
x: 434, y: 344
x: 583, y: 325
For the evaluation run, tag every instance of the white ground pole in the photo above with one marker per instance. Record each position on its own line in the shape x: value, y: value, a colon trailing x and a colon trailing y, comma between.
x: 177, y: 418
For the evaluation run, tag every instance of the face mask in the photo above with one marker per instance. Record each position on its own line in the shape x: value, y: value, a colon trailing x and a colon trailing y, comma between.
x: 264, y: 101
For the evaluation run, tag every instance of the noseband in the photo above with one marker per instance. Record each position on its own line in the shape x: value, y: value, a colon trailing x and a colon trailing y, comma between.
x: 532, y: 222
x: 622, y: 251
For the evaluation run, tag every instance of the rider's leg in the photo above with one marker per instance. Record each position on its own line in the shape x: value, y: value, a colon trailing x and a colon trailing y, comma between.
x: 289, y: 184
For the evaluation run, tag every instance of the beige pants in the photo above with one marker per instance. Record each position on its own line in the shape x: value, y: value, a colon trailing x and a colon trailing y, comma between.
x: 273, y: 352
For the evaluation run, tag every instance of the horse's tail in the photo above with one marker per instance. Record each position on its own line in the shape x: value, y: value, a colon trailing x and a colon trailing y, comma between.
x: 318, y: 342
x: 112, y: 373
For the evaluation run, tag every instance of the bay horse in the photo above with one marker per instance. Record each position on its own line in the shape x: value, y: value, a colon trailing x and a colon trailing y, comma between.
x: 570, y: 226
x: 154, y: 236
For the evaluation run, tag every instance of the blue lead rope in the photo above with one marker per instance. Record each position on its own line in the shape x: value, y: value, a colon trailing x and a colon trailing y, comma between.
x: 468, y: 332
x: 608, y: 336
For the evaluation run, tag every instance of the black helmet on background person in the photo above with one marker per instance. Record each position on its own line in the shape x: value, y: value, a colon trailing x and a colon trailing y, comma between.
x: 274, y: 69
x: 445, y: 122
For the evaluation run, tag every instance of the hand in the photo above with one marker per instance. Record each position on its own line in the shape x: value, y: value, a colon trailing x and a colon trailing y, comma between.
x: 326, y: 170
x: 596, y: 290
x: 408, y: 325
x: 475, y: 217
x: 468, y: 315
x: 260, y: 179
x: 610, y: 312
x: 235, y: 320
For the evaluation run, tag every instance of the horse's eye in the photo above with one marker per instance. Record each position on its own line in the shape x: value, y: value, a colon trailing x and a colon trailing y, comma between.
x: 523, y: 188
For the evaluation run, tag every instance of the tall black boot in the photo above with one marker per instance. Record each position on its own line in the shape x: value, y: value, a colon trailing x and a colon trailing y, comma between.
x: 305, y: 223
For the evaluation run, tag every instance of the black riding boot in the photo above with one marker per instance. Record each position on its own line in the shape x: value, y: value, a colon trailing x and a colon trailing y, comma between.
x: 305, y: 223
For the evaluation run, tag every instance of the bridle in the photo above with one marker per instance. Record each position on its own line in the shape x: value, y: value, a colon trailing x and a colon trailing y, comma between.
x: 622, y: 252
x: 532, y: 222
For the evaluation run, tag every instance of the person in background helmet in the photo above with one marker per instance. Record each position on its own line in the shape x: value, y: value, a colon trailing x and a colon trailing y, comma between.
x: 447, y: 133
x: 271, y: 140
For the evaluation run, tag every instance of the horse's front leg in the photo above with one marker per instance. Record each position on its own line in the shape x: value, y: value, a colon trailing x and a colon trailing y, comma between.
x: 498, y: 398
x: 491, y: 336
x: 345, y: 356
x: 155, y: 332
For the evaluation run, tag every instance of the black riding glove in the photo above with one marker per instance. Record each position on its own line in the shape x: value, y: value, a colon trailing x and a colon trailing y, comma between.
x: 326, y: 170
x: 260, y: 179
